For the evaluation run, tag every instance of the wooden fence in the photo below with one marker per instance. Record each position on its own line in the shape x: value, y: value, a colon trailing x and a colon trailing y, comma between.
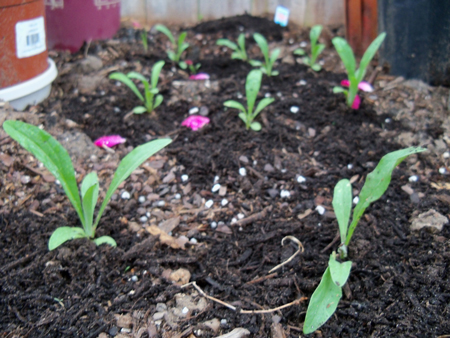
x: 302, y: 12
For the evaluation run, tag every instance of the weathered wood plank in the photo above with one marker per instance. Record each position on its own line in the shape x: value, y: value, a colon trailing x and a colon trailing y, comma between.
x: 217, y: 9
x: 172, y: 11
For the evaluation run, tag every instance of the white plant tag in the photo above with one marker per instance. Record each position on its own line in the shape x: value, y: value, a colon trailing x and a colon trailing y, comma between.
x: 281, y: 16
x: 30, y: 37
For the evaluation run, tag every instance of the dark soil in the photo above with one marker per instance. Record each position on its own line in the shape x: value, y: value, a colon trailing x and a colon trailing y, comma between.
x: 399, y: 284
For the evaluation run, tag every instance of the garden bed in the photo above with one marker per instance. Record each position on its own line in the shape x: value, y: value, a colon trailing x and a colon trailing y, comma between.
x: 400, y: 278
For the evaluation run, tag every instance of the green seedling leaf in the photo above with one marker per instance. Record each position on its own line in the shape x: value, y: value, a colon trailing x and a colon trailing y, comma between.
x: 323, y: 303
x: 256, y: 126
x: 139, y: 110
x: 255, y: 63
x: 182, y: 65
x: 346, y: 54
x: 252, y: 85
x: 129, y: 163
x: 163, y: 29
x: 156, y: 70
x: 262, y: 43
x: 306, y: 60
x: 275, y: 73
x: 243, y: 117
x: 316, y: 67
x: 89, y: 197
x: 338, y: 89
x: 299, y: 51
x: 51, y: 153
x: 105, y: 240
x: 314, y: 33
x: 339, y: 271
x: 241, y: 43
x: 158, y: 100
x: 227, y: 43
x: 130, y: 84
x: 64, y: 234
x: 263, y: 104
x: 368, y: 55
x: 137, y: 76
x: 377, y: 182
x: 342, y: 205
x: 172, y: 56
x: 235, y: 105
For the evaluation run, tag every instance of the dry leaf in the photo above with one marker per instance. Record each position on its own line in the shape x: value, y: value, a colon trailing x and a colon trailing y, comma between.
x: 440, y: 186
x: 174, y: 243
x: 305, y: 214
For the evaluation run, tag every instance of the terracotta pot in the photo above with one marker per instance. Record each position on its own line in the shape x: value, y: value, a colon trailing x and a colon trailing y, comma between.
x: 22, y: 41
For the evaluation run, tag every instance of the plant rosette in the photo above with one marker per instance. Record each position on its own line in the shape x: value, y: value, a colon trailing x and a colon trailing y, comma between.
x: 195, y: 122
x: 363, y: 85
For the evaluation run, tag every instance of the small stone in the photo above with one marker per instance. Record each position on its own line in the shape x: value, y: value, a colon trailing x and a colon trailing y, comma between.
x: 25, y: 179
x: 193, y: 240
x: 216, y: 179
x: 294, y: 109
x: 431, y: 220
x: 160, y: 307
x: 285, y: 194
x: 134, y: 278
x: 311, y: 132
x: 301, y: 179
x: 204, y: 111
x: 223, y: 322
x: 141, y: 199
x: 177, y: 196
x: 233, y: 220
x: 224, y: 202
x: 302, y: 83
x: 267, y: 95
x: 160, y: 203
x: 209, y: 204
x: 350, y: 166
x: 185, y: 310
x: 413, y: 178
x: 143, y: 219
x: 239, y: 96
x: 116, y: 110
x: 442, y: 170
x: 213, y: 225
x: 159, y: 315
x: 242, y: 171
x: 320, y: 209
x: 184, y: 178
x: 269, y: 168
x: 388, y: 120
x: 446, y: 154
x: 125, y: 195
x: 193, y: 110
x: 222, y: 191
x: 243, y: 159
x: 240, y: 216
x: 216, y: 188
x: 356, y: 200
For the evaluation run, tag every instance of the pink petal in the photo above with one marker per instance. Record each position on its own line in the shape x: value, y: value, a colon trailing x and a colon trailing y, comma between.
x: 345, y: 83
x: 135, y: 24
x: 199, y: 76
x: 189, y: 62
x: 365, y: 86
x: 195, y: 122
x: 356, y: 102
x: 109, y: 141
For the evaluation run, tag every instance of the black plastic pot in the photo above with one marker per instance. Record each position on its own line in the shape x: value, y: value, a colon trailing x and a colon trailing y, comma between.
x: 417, y: 44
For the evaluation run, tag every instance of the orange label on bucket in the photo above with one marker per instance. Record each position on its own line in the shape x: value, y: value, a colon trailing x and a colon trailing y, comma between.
x: 30, y: 37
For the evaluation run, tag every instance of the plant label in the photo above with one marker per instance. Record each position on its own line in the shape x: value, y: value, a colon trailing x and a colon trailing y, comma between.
x: 281, y: 16
x: 30, y: 37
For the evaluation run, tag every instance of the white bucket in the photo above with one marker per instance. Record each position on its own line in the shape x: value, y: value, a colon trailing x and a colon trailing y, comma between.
x: 32, y: 91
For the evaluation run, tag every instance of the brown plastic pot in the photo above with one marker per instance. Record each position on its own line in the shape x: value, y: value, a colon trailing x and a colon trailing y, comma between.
x: 19, y: 63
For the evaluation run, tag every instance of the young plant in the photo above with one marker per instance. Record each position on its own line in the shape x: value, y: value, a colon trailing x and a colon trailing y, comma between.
x: 193, y: 68
x: 325, y: 298
x: 144, y: 39
x: 252, y: 85
x: 57, y: 160
x: 355, y: 76
x: 239, y: 48
x: 267, y: 65
x: 178, y: 46
x: 316, y: 49
x: 150, y: 89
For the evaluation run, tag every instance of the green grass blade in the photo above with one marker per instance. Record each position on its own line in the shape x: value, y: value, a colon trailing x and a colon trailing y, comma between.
x: 377, y: 182
x: 130, y: 84
x: 129, y: 163
x: 323, y: 303
x: 64, y: 234
x: 163, y: 29
x: 346, y: 54
x: 342, y: 205
x: 369, y: 54
x: 51, y: 153
x: 252, y: 85
x: 156, y: 70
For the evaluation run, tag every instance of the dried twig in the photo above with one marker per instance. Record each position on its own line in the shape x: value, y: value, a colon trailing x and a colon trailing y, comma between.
x: 300, y: 249
x: 194, y: 284
x: 335, y: 239
x: 254, y: 217
x: 262, y: 279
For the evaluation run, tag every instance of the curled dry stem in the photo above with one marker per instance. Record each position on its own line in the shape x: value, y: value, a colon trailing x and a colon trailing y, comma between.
x: 295, y: 302
x: 300, y: 249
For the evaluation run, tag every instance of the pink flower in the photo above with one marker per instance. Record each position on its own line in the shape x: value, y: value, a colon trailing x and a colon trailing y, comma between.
x: 189, y: 62
x: 199, y: 76
x: 109, y: 141
x: 356, y: 102
x: 195, y: 122
x: 363, y: 85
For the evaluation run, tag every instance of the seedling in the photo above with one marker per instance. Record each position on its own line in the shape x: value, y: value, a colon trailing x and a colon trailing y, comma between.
x: 57, y: 160
x: 252, y: 85
x: 267, y: 65
x: 150, y: 89
x: 325, y: 298
x: 193, y: 68
x: 179, y: 46
x: 355, y: 76
x: 316, y: 49
x: 239, y: 48
x: 144, y: 39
